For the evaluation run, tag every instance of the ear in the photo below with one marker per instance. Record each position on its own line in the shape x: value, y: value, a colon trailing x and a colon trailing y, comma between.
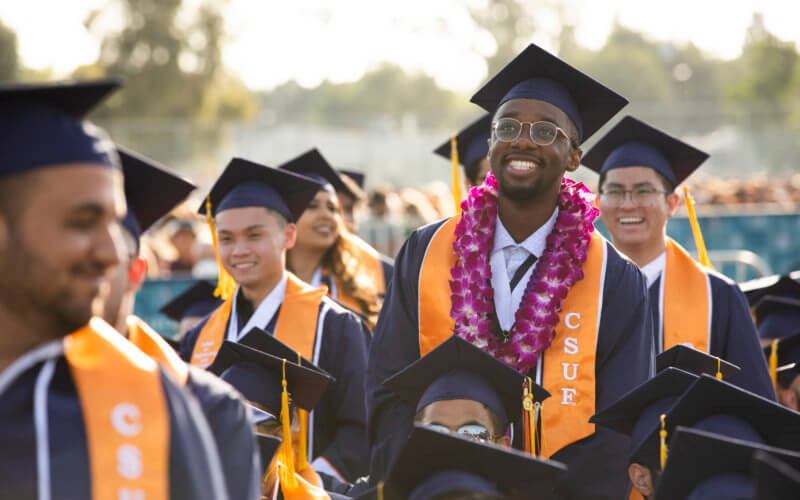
x: 137, y: 272
x: 290, y: 232
x: 672, y: 203
x: 641, y: 479
x: 574, y: 161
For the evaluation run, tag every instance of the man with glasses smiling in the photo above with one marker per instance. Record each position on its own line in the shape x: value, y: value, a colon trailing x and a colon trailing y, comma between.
x: 639, y: 168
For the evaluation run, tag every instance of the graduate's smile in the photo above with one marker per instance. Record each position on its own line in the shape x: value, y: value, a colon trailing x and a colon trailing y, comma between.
x: 521, y: 164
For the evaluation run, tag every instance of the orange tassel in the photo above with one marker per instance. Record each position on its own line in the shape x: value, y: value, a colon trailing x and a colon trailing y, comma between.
x: 226, y: 285
x: 773, y: 363
x: 285, y: 454
x: 663, y: 438
x: 302, y: 453
x: 719, y: 370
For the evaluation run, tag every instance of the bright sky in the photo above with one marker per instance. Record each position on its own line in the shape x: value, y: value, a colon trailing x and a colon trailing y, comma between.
x: 272, y: 41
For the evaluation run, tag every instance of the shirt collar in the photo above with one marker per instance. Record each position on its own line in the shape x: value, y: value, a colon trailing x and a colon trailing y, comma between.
x: 534, y: 244
x: 652, y: 270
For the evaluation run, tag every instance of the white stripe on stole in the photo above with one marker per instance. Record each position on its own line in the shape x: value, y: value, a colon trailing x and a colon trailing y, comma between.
x: 323, y: 311
x: 41, y: 426
x: 710, y: 310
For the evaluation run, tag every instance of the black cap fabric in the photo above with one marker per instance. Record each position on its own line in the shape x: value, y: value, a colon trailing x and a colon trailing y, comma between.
x: 703, y: 466
x: 267, y: 447
x: 196, y: 301
x: 472, y: 142
x: 312, y: 164
x: 692, y: 360
x: 429, y: 453
x: 257, y: 338
x: 634, y: 143
x: 774, y: 478
x: 537, y: 74
x: 785, y: 285
x: 43, y: 125
x: 151, y: 191
x: 788, y: 351
x: 258, y: 377
x: 456, y: 369
x: 357, y: 177
x: 247, y: 184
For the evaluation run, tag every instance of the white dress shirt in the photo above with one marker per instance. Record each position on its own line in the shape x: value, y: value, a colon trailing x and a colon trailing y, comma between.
x: 263, y: 313
x: 653, y: 269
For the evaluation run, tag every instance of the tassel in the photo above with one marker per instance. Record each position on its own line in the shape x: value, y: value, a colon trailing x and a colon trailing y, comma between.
x: 773, y: 363
x: 226, y: 285
x: 456, y: 181
x: 530, y: 415
x: 380, y: 490
x: 285, y: 455
x: 702, y: 254
x: 719, y: 370
x: 302, y: 452
x: 662, y: 434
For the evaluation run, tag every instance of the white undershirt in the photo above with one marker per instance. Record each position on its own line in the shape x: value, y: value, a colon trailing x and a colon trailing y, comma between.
x: 653, y: 269
x: 263, y: 313
x: 506, y: 257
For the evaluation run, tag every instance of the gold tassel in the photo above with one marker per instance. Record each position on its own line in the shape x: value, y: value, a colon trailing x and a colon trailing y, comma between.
x: 285, y: 454
x: 719, y: 370
x: 380, y: 490
x: 663, y: 437
x: 302, y: 452
x: 773, y: 363
x: 702, y: 254
x: 528, y: 407
x: 456, y: 181
x: 226, y: 285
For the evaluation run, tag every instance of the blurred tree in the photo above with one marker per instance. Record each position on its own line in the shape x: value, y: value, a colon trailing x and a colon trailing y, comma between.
x: 9, y: 57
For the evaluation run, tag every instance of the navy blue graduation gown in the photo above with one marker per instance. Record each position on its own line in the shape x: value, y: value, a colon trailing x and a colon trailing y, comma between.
x: 733, y: 335
x: 339, y: 417
x: 192, y: 474
x: 624, y: 359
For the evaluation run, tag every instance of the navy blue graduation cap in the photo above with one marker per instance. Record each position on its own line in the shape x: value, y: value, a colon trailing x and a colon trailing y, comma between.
x: 357, y: 177
x: 695, y: 361
x: 258, y: 339
x: 43, y: 125
x: 456, y: 369
x: 774, y: 478
x: 472, y: 142
x: 785, y: 285
x: 313, y: 165
x: 633, y: 143
x: 537, y: 74
x: 247, y: 184
x: 258, y: 376
x: 267, y: 447
x: 196, y: 301
x: 434, y: 463
x: 150, y: 191
x: 787, y: 353
x: 705, y: 466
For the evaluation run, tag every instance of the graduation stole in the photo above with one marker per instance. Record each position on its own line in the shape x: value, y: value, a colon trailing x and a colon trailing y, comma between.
x: 568, y: 371
x: 151, y: 343
x: 685, y: 306
x: 125, y: 413
x: 296, y: 327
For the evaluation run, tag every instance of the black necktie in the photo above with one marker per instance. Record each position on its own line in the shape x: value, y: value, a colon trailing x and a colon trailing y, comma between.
x: 521, y: 270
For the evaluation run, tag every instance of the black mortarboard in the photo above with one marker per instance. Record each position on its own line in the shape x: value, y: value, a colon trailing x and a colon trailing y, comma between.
x: 774, y: 478
x: 456, y: 369
x: 434, y: 463
x: 151, y: 191
x: 358, y: 177
x: 472, y: 141
x: 264, y: 342
x: 638, y: 413
x: 787, y: 350
x: 267, y: 446
x: 633, y: 143
x: 692, y: 360
x: 43, y: 125
x: 247, y: 184
x: 197, y: 300
x: 776, y: 304
x: 777, y: 285
x: 706, y: 466
x: 313, y: 165
x: 537, y: 74
x: 258, y: 377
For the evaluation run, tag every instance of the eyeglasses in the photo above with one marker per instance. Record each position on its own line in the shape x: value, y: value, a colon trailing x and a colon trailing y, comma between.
x: 542, y: 133
x: 640, y: 196
x: 475, y: 432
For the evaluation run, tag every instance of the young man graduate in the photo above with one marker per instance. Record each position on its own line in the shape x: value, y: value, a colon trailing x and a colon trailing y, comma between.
x: 252, y: 209
x: 521, y: 274
x: 150, y: 193
x: 689, y: 303
x: 83, y: 412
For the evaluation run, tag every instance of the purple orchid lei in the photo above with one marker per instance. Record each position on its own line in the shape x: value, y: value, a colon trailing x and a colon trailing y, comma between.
x: 559, y: 267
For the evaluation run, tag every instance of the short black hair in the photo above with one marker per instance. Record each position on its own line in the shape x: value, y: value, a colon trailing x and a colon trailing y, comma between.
x: 472, y: 170
x: 669, y: 187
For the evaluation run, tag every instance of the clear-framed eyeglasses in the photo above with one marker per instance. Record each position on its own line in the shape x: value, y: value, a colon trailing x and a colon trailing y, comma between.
x: 542, y: 133
x: 644, y: 196
x: 472, y: 431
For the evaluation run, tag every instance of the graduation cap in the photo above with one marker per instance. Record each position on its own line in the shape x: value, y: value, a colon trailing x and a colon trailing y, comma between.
x: 434, y: 463
x: 703, y: 466
x: 259, y: 339
x: 43, y: 125
x: 267, y: 447
x: 313, y: 165
x: 357, y: 177
x: 774, y: 478
x: 196, y: 301
x: 537, y: 74
x: 150, y: 191
x: 780, y: 353
x: 258, y: 377
x: 633, y: 143
x: 638, y: 413
x: 259, y: 416
x: 695, y: 361
x: 456, y: 369
x: 247, y: 184
x: 785, y: 285
x: 472, y: 142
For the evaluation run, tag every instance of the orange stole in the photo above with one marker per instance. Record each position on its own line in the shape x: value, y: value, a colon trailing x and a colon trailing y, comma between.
x: 686, y: 301
x: 125, y: 413
x: 370, y: 263
x: 568, y: 364
x: 149, y: 342
x: 296, y: 326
